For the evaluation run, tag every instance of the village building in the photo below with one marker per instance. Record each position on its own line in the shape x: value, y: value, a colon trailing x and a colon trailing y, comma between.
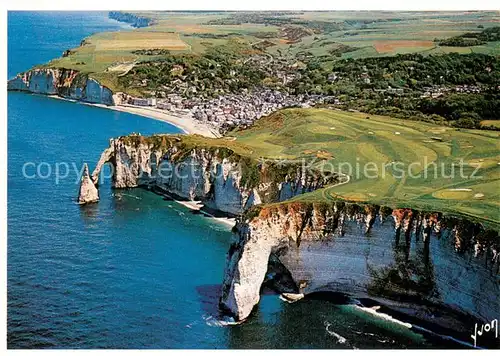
x: 144, y: 101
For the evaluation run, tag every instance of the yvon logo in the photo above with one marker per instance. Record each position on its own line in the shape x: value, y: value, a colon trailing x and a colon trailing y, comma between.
x: 485, y: 328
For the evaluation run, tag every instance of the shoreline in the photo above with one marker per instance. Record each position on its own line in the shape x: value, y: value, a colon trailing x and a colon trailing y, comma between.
x: 195, y: 206
x: 186, y: 124
x: 188, y: 127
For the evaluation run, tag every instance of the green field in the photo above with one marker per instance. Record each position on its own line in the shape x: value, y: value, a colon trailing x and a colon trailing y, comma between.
x: 367, y: 34
x: 330, y: 137
x: 180, y: 33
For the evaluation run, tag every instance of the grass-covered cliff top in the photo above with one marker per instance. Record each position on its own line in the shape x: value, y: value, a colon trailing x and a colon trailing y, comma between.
x: 329, y: 138
x: 334, y: 137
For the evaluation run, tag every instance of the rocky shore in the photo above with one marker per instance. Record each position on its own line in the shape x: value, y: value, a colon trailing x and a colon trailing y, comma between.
x: 72, y: 85
x: 66, y: 83
x: 441, y: 269
x: 132, y: 19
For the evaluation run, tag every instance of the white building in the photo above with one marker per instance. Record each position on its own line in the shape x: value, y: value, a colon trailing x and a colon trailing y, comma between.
x: 144, y: 101
x: 164, y: 105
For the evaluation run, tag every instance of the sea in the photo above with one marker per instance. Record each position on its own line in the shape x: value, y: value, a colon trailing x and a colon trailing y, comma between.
x: 133, y: 271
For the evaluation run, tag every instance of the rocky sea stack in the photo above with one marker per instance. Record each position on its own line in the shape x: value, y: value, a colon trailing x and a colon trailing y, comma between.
x: 190, y: 168
x: 88, y: 192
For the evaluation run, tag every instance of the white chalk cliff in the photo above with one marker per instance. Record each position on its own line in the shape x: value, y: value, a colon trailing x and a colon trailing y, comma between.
x: 66, y: 83
x: 441, y: 267
x: 216, y: 177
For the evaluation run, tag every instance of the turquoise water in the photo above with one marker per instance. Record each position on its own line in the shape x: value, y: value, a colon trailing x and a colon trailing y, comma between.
x: 133, y: 271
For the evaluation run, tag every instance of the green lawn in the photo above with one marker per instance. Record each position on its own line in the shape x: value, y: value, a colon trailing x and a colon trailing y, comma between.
x: 331, y: 137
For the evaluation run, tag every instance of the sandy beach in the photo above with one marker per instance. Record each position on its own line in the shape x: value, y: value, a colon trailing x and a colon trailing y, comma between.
x: 186, y: 123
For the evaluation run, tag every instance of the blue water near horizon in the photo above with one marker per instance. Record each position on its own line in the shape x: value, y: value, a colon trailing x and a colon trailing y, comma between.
x: 36, y: 37
x: 134, y: 271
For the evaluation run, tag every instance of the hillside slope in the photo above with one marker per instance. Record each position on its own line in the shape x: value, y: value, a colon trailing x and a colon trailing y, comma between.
x: 452, y: 170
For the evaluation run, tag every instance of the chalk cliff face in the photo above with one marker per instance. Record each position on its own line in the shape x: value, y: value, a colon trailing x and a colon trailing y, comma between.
x: 66, y: 83
x: 132, y: 164
x: 406, y: 259
x: 219, y: 178
x: 132, y: 19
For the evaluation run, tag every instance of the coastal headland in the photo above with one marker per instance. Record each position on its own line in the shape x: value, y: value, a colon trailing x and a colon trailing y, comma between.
x: 63, y: 84
x: 289, y: 229
x: 308, y: 156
